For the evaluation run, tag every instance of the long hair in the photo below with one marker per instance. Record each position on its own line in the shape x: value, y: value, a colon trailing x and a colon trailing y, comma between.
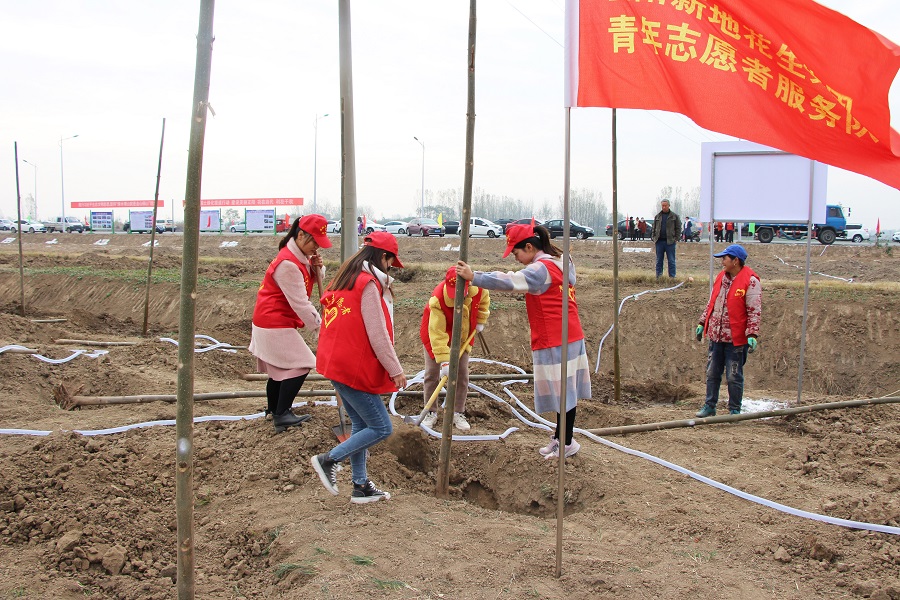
x: 292, y: 233
x: 541, y: 241
x: 353, y: 266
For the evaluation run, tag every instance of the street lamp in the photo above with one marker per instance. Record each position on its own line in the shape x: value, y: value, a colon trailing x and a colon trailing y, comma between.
x: 62, y: 184
x: 35, y: 182
x: 421, y: 143
x: 316, y: 155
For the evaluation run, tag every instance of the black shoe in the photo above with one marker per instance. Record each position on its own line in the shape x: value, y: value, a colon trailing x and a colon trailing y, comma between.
x: 288, y: 419
x: 327, y: 470
x: 367, y: 492
x: 735, y: 411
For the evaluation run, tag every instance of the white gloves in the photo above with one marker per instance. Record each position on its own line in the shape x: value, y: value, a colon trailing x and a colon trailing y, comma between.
x: 479, y: 328
x: 445, y: 369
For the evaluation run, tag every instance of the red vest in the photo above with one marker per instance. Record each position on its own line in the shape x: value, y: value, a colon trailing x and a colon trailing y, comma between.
x: 545, y: 312
x: 737, y: 305
x: 272, y: 310
x: 448, y: 316
x: 344, y: 353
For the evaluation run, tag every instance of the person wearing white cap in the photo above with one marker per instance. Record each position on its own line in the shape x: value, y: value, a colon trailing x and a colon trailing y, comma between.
x: 731, y: 323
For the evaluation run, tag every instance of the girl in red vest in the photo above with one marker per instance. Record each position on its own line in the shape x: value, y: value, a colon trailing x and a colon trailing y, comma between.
x: 541, y: 281
x: 283, y: 308
x: 437, y: 325
x: 356, y: 352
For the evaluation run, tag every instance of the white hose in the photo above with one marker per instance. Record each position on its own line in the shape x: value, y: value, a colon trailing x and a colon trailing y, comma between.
x: 621, y: 305
x: 58, y: 361
x: 816, y: 272
x: 216, y: 345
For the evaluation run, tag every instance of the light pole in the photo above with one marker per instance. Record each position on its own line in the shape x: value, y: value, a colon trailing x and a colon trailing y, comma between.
x: 421, y: 143
x: 316, y: 155
x: 62, y: 185
x: 35, y: 183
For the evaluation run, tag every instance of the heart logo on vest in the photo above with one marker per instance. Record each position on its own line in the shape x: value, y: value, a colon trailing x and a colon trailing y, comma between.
x: 330, y: 315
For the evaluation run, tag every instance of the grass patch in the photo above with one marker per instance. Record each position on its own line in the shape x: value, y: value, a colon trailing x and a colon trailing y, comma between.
x: 365, y: 561
x: 282, y: 570
x: 388, y: 584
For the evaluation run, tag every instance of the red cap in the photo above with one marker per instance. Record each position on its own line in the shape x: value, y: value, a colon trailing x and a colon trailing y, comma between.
x: 516, y: 234
x: 385, y: 241
x: 450, y: 282
x: 316, y: 226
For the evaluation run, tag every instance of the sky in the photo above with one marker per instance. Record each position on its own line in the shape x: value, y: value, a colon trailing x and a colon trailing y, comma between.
x: 110, y: 72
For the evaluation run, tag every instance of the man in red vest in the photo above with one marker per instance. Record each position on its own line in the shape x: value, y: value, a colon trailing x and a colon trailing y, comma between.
x: 731, y: 322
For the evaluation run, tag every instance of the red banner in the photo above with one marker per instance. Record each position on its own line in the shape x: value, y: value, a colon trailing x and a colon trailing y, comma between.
x: 790, y: 74
x: 117, y: 204
x: 253, y: 202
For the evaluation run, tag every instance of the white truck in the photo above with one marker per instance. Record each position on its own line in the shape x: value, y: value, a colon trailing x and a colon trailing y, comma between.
x: 59, y: 224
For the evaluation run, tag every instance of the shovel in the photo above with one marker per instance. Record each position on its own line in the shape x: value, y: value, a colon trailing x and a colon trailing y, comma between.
x: 416, y: 420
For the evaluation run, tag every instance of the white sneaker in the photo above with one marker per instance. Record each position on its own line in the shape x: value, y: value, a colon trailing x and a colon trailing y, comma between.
x: 459, y: 421
x: 430, y: 420
x: 550, y: 448
x: 571, y: 449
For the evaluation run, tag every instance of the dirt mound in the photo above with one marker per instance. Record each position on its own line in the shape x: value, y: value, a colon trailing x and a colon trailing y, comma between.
x: 94, y: 515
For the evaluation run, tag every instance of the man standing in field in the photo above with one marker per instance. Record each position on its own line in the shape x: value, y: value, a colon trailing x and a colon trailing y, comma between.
x: 731, y: 322
x: 666, y: 231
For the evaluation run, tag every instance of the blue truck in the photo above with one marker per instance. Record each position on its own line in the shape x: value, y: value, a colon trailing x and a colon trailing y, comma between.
x: 835, y: 224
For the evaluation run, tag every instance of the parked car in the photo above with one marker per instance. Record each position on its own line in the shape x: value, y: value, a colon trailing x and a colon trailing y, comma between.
x: 523, y: 222
x: 127, y: 227
x: 238, y: 227
x: 371, y: 225
x: 28, y: 226
x: 623, y: 229
x: 168, y: 225
x: 67, y: 224
x: 6, y: 224
x: 576, y: 230
x: 479, y: 226
x: 854, y: 233
x: 333, y: 227
x: 451, y: 227
x: 503, y: 223
x: 425, y: 228
x: 397, y: 227
x: 896, y: 237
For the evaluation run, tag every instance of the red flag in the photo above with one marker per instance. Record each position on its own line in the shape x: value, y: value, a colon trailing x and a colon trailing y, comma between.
x: 878, y: 227
x: 790, y: 74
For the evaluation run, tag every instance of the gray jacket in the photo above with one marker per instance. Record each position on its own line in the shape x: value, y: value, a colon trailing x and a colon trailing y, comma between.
x: 673, y: 227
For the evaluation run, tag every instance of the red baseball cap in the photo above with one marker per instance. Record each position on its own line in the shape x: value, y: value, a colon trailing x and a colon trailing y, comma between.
x: 385, y: 241
x: 516, y: 234
x: 450, y: 280
x: 316, y: 226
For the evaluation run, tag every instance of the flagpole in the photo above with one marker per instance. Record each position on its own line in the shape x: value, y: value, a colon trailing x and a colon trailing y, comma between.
x: 617, y: 387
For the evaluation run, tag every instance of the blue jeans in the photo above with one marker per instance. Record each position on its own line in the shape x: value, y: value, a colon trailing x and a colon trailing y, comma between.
x: 725, y: 356
x: 371, y: 424
x: 662, y: 248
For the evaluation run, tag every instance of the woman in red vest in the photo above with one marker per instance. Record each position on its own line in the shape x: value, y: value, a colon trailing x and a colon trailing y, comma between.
x: 541, y: 281
x: 356, y: 352
x: 283, y: 308
x: 435, y: 331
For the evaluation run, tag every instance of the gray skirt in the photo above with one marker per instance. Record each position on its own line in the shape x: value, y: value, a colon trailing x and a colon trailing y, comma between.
x: 547, y: 377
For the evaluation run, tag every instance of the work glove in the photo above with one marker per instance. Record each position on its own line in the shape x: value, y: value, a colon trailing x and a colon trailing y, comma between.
x: 752, y: 343
x: 445, y: 369
x: 699, y: 332
x: 479, y: 328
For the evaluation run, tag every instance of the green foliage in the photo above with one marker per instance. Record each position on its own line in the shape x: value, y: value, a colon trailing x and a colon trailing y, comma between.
x: 383, y: 584
x: 365, y: 561
x: 285, y: 568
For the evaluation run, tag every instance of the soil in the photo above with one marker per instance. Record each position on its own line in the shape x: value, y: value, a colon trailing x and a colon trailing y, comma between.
x: 94, y: 515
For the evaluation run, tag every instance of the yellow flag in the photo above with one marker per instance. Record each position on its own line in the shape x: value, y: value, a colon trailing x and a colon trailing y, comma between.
x: 441, y: 219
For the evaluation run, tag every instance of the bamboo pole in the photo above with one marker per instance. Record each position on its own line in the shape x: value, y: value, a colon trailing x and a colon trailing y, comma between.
x: 617, y: 385
x: 94, y: 343
x: 49, y: 320
x: 442, y: 483
x: 184, y: 421
x: 479, y: 377
x: 19, y: 232
x: 69, y: 402
x: 153, y: 231
x: 742, y: 417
